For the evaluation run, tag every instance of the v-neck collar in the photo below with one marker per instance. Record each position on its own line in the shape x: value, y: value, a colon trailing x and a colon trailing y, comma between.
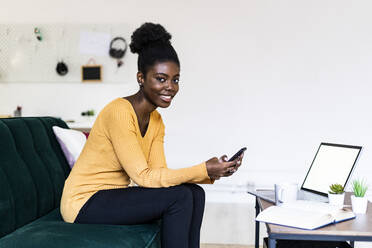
x: 136, y: 119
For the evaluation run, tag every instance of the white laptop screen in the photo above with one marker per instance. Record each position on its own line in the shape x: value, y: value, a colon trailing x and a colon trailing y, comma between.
x: 333, y: 163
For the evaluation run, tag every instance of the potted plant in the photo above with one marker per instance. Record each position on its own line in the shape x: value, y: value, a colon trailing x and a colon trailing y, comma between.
x: 88, y: 115
x: 336, y: 195
x: 359, y: 200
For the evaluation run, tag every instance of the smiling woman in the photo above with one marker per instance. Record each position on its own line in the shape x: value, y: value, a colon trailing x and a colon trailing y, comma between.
x: 160, y: 85
x: 126, y: 144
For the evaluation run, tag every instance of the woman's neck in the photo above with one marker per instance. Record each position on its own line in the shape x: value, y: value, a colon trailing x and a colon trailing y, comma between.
x: 141, y: 105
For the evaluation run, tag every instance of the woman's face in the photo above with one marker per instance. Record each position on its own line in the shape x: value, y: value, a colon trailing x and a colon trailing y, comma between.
x: 161, y: 83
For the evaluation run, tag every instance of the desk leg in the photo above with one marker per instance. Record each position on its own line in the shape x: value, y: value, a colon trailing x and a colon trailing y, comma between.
x: 272, y: 243
x: 352, y: 243
x: 257, y: 231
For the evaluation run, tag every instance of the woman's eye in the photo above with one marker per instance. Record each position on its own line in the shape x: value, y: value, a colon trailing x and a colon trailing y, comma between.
x: 176, y: 81
x: 160, y: 79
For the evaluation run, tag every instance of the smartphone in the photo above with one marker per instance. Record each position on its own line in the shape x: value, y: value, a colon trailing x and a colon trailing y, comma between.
x: 236, y: 155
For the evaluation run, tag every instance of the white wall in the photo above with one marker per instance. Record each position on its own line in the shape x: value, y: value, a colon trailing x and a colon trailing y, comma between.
x: 276, y: 76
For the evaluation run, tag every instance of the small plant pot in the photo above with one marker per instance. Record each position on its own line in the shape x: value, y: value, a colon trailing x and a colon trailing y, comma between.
x: 359, y: 204
x: 336, y: 200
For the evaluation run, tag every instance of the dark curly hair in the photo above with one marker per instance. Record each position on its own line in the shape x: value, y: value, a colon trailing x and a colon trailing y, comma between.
x: 152, y: 43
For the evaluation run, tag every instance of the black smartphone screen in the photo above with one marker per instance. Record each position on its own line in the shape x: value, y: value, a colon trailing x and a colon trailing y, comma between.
x: 236, y: 155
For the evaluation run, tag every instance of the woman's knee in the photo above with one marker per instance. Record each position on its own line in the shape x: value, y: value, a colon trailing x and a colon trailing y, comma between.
x: 183, y: 194
x: 197, y: 191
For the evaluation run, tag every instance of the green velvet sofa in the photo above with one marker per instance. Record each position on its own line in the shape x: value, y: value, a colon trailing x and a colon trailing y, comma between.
x: 32, y: 173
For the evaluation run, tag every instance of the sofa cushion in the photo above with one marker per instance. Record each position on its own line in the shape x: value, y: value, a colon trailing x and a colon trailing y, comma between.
x: 42, y: 190
x: 71, y: 141
x: 17, y: 189
x: 49, y: 122
x: 51, y: 231
x: 32, y: 170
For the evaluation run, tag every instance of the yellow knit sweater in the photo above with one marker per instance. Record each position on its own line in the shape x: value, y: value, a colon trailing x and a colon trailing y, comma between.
x: 116, y: 152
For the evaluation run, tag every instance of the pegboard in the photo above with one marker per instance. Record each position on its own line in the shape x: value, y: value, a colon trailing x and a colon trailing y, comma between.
x: 24, y: 58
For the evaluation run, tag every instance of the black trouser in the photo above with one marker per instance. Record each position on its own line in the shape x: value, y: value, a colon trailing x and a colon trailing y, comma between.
x: 180, y: 207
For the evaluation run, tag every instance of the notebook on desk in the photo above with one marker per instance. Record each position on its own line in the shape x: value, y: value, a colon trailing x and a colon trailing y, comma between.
x: 332, y: 163
x: 307, y: 215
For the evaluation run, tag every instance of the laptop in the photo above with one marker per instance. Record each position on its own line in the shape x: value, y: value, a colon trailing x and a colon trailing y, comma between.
x: 332, y: 163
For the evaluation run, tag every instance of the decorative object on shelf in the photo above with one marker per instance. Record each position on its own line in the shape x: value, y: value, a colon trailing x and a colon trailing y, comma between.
x: 18, y: 111
x: 61, y: 68
x: 336, y: 195
x: 359, y: 201
x: 91, y: 72
x: 88, y: 116
x: 88, y: 113
x: 37, y: 32
x: 116, y: 53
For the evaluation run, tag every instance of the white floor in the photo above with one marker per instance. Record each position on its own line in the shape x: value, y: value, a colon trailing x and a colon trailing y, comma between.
x: 229, y: 221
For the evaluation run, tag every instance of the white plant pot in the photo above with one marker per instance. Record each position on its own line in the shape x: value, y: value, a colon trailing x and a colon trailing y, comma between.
x: 336, y: 200
x: 359, y: 204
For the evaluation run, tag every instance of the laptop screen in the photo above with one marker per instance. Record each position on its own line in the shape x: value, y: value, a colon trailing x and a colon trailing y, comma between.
x: 333, y: 163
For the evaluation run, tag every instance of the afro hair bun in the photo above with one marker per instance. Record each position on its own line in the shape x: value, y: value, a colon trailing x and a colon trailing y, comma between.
x: 148, y: 34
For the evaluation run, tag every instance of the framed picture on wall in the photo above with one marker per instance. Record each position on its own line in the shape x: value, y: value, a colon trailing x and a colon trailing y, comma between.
x: 91, y: 73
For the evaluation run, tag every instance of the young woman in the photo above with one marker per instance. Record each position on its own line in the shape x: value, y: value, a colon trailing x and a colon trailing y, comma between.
x: 126, y: 143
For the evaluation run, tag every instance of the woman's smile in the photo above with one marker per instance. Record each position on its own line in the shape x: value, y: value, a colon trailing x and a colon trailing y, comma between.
x: 166, y: 98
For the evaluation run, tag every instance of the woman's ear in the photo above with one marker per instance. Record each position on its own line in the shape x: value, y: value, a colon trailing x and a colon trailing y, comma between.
x: 140, y: 79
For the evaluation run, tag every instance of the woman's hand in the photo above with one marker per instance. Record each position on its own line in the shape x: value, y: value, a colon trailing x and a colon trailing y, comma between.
x: 217, y: 168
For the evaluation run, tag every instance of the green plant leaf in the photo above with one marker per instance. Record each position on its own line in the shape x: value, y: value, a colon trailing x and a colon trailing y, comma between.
x: 359, y: 187
x: 336, y: 189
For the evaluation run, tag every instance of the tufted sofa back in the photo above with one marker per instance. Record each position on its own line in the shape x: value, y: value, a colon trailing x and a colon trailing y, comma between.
x: 32, y: 170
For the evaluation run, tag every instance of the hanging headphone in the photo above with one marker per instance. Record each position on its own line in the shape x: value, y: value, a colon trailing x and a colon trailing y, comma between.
x: 62, y: 68
x: 118, y: 53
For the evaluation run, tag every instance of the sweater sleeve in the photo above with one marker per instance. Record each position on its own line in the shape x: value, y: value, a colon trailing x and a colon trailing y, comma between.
x: 121, y: 130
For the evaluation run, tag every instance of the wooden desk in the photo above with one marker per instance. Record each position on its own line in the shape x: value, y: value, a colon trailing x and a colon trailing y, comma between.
x: 358, y: 229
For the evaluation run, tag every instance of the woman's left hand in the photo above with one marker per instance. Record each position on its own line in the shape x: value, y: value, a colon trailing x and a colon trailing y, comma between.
x: 237, y: 164
x: 236, y: 167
